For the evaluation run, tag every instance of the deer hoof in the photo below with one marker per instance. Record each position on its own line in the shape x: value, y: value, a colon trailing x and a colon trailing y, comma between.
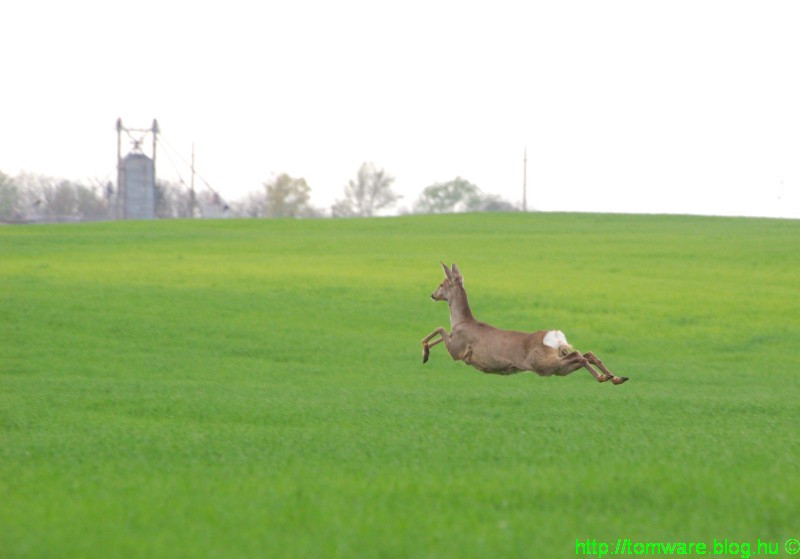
x: 618, y: 380
x: 604, y: 378
x: 425, y: 353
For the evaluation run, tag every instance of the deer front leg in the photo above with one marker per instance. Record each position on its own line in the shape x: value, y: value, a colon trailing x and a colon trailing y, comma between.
x: 426, y: 347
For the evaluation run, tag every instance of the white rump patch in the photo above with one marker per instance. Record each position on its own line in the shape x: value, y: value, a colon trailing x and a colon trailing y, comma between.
x: 555, y: 339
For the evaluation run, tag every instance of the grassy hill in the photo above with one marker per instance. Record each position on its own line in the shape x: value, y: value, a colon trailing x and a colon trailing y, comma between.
x: 255, y: 388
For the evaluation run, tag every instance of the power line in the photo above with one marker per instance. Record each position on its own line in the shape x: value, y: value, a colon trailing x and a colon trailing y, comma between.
x: 190, y: 166
x: 175, y: 167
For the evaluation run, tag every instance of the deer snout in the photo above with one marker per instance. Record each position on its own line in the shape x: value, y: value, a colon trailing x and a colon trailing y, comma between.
x: 438, y: 295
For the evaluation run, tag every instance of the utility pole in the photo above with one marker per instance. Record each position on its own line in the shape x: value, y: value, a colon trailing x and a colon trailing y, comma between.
x: 155, y: 139
x: 118, y: 205
x: 191, y: 191
x: 525, y: 180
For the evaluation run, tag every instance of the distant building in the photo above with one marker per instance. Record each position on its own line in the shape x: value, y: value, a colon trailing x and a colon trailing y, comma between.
x: 212, y: 206
x: 137, y: 187
x: 136, y: 176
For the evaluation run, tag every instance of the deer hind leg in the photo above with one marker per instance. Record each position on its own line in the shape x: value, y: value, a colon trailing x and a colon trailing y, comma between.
x: 426, y: 346
x: 574, y: 361
x: 594, y: 360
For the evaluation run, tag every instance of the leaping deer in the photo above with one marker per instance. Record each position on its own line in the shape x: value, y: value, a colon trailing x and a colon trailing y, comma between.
x: 505, y: 352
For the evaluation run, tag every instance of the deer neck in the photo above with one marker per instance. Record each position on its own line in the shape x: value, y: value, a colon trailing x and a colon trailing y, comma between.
x: 459, y: 308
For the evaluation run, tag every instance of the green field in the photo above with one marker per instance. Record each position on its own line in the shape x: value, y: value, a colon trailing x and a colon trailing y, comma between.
x: 255, y: 388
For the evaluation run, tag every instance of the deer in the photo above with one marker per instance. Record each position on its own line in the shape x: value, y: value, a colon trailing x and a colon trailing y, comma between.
x: 505, y: 352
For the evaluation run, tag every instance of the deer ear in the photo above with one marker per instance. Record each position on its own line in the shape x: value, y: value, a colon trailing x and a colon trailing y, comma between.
x: 447, y: 271
x: 457, y: 272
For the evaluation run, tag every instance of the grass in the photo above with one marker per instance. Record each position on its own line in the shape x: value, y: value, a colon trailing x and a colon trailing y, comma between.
x: 255, y: 388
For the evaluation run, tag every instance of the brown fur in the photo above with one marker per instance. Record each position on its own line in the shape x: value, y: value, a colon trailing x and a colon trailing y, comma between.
x: 502, y: 352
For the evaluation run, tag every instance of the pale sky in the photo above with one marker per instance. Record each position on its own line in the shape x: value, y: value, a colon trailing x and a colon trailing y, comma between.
x: 624, y: 106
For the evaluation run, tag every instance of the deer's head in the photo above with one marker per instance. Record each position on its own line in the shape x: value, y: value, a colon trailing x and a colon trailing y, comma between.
x: 452, y: 282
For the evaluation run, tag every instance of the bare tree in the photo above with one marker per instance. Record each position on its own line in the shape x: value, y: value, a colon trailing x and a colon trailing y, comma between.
x: 252, y: 205
x: 10, y: 199
x: 368, y: 194
x: 38, y: 197
x: 49, y: 198
x: 173, y: 200
x: 91, y: 202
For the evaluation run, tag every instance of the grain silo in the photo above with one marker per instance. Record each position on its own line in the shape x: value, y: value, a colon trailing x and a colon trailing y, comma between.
x: 138, y: 186
x: 136, y: 176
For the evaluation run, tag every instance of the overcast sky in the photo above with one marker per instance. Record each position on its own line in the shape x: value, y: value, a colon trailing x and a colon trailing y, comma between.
x: 624, y: 106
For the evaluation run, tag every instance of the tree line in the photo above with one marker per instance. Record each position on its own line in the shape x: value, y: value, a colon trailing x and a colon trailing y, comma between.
x: 30, y: 197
